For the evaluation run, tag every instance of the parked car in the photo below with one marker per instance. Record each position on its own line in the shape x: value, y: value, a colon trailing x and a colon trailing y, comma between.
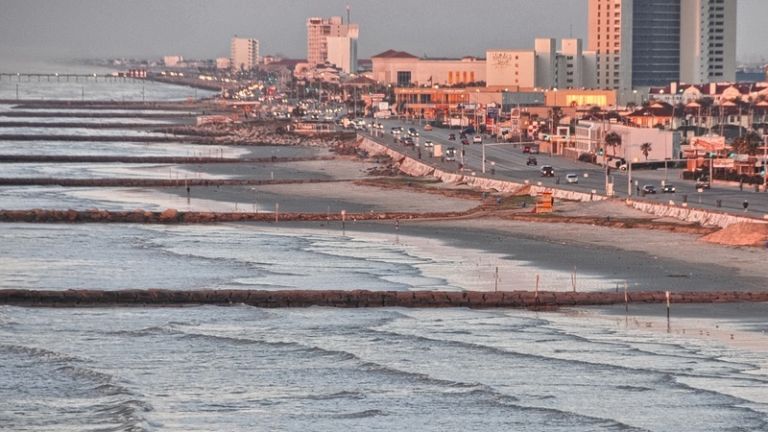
x: 571, y: 178
x: 649, y: 189
x: 452, y: 137
x: 428, y: 144
x: 547, y: 171
x: 531, y: 161
x: 668, y: 188
x: 477, y: 139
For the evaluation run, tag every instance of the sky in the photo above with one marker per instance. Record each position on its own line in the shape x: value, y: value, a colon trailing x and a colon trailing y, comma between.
x: 60, y: 29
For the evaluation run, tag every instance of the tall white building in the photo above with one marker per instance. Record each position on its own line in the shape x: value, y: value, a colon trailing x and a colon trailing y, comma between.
x: 319, y: 30
x: 244, y: 53
x: 342, y: 52
x: 708, y: 41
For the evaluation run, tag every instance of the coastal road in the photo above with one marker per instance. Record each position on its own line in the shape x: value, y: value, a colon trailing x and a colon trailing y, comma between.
x: 508, y: 161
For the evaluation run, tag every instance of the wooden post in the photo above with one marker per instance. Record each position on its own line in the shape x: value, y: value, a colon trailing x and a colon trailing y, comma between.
x: 496, y: 285
x: 277, y: 212
x: 668, y: 324
x: 536, y: 293
x: 626, y: 299
x: 343, y: 221
x: 573, y: 279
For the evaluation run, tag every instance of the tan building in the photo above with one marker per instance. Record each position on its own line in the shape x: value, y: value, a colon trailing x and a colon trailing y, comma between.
x: 402, y: 69
x: 244, y: 53
x: 610, y: 37
x: 511, y: 68
x: 319, y: 30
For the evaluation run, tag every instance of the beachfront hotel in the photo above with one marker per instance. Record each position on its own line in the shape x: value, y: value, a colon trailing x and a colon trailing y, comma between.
x: 244, y: 53
x: 322, y: 36
x: 643, y: 43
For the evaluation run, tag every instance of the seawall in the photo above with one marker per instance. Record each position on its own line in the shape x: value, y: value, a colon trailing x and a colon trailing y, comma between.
x: 358, y: 298
x: 417, y: 168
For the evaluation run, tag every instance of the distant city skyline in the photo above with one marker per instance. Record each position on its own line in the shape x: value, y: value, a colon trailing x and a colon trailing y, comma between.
x: 203, y: 29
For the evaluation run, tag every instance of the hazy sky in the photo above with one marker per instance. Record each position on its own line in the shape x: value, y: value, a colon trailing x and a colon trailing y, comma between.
x: 202, y: 28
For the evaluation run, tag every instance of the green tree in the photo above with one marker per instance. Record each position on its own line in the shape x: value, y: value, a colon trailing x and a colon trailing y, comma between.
x: 748, y: 144
x: 646, y: 149
x: 612, y: 140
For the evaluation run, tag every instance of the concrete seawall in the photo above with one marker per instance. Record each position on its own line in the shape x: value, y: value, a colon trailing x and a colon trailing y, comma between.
x: 357, y: 298
x: 417, y: 168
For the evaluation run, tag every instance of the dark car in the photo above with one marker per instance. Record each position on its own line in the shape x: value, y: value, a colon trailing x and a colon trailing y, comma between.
x: 527, y: 149
x: 669, y: 188
x: 649, y: 189
x: 452, y: 137
x: 547, y: 171
x: 465, y: 142
x: 531, y: 161
x: 702, y: 184
x: 463, y: 136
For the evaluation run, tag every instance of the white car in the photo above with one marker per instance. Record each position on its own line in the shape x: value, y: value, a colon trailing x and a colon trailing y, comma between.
x: 571, y: 178
x: 477, y: 139
x: 428, y: 144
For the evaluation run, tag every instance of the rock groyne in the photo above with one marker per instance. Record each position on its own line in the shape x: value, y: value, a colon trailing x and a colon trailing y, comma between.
x: 358, y: 298
x: 172, y: 216
x: 152, y: 159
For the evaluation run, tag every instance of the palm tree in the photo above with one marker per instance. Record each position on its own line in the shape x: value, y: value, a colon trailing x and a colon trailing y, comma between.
x: 612, y: 139
x: 646, y: 149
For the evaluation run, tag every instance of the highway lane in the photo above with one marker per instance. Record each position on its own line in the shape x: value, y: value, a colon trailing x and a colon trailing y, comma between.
x: 509, y: 162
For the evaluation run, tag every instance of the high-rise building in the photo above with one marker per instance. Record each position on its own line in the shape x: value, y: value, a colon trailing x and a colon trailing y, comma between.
x: 318, y: 32
x: 642, y: 43
x: 342, y: 52
x: 708, y: 41
x: 610, y: 37
x: 655, y: 42
x: 244, y: 53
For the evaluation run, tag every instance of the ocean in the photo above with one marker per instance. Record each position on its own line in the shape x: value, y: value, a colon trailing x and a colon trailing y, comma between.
x: 241, y: 368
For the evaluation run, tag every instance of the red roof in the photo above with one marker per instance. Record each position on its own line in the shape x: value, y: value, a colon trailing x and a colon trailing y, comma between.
x: 394, y: 54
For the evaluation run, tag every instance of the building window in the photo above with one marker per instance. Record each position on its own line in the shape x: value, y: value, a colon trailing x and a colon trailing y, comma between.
x: 403, y: 78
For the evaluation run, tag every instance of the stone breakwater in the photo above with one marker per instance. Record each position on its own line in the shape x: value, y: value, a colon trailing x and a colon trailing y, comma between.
x: 152, y: 159
x: 172, y: 216
x: 131, y: 182
x: 358, y: 298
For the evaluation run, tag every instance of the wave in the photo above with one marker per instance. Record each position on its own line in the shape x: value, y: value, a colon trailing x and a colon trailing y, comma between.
x: 360, y: 414
x: 337, y: 395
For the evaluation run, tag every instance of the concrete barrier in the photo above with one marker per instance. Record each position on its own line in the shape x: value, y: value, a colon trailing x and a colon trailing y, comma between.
x: 358, y: 298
